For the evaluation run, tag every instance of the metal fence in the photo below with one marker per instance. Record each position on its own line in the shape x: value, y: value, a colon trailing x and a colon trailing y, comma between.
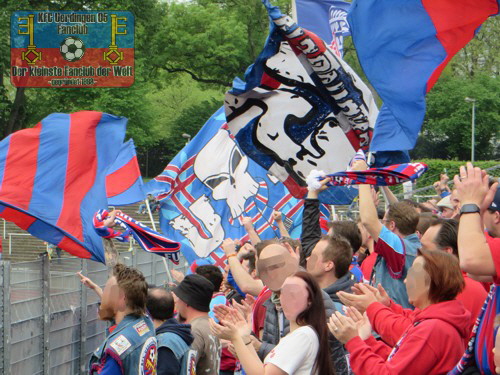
x: 48, y: 319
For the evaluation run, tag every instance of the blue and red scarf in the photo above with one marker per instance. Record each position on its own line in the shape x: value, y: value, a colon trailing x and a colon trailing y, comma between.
x: 148, y: 239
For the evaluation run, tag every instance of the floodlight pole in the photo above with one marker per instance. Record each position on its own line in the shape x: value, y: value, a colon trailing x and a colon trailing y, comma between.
x: 473, y: 125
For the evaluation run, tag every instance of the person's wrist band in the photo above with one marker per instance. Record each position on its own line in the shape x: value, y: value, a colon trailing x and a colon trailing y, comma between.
x: 469, y: 208
x: 249, y: 342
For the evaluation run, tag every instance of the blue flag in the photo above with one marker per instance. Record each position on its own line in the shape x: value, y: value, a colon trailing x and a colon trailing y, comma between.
x: 210, y: 186
x: 403, y: 46
x: 327, y: 19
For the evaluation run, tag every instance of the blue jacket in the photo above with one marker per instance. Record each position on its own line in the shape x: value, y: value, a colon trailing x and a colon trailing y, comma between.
x: 130, y: 349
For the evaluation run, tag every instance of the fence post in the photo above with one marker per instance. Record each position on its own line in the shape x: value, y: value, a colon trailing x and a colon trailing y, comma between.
x: 46, y: 313
x: 5, y: 318
x: 83, y: 321
x: 134, y: 258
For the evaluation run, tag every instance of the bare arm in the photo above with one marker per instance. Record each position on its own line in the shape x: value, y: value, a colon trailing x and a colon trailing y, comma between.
x: 474, y: 252
x: 389, y: 196
x: 90, y: 284
x: 246, y: 283
x: 278, y: 218
x: 252, y: 233
x: 481, y: 279
x: 368, y: 212
x: 367, y: 208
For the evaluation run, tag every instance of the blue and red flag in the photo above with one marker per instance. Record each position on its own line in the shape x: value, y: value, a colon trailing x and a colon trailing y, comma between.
x: 210, y: 186
x: 124, y: 184
x: 53, y: 178
x: 403, y: 46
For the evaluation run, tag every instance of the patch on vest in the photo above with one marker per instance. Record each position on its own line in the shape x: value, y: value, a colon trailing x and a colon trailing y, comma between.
x: 141, y: 328
x: 191, y: 362
x: 148, y: 357
x: 120, y: 344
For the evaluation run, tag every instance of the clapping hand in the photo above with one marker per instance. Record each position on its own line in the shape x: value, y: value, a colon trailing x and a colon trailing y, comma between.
x: 342, y: 327
x: 232, y: 324
x: 379, y: 292
x: 359, y: 301
x: 362, y: 322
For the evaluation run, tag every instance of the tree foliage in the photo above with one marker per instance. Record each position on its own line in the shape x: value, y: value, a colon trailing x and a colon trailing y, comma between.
x: 446, y: 133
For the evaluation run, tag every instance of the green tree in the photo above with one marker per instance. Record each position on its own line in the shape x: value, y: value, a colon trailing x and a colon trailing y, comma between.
x: 447, y: 128
x: 153, y: 159
x: 480, y: 55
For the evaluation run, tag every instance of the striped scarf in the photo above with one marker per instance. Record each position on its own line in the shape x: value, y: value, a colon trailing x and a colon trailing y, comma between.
x: 467, y: 359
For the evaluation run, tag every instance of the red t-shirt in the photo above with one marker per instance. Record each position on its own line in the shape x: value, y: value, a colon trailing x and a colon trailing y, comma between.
x: 494, y: 244
x: 367, y: 265
x: 472, y: 297
x: 259, y: 311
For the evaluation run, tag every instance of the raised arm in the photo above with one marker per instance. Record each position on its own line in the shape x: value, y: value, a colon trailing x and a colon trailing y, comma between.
x: 311, y: 229
x: 278, y: 218
x: 389, y: 196
x: 475, y: 254
x: 252, y: 233
x: 367, y: 208
x: 245, y: 282
x: 90, y: 284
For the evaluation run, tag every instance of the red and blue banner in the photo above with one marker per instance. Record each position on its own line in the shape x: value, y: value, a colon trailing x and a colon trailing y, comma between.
x: 53, y: 178
x: 403, y: 46
x: 72, y: 49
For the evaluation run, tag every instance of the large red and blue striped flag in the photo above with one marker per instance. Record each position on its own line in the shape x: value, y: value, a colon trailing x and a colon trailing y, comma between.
x: 53, y: 178
x: 403, y: 46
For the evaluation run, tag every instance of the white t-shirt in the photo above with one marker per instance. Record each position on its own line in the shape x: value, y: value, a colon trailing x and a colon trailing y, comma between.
x: 296, y: 352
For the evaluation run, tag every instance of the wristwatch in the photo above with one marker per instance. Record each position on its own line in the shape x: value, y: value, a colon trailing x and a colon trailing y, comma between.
x: 469, y: 208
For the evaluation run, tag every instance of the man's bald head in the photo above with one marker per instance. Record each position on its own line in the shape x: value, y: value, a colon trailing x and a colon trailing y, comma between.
x: 275, y: 264
x: 160, y: 304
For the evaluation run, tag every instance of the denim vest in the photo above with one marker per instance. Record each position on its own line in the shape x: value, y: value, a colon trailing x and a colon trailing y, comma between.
x: 396, y: 287
x: 184, y: 355
x: 132, y: 345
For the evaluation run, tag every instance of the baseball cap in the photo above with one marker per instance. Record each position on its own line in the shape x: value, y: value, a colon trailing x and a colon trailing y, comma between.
x: 495, y: 205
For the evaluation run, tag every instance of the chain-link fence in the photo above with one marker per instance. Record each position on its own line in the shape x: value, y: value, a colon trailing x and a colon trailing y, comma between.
x: 48, y: 319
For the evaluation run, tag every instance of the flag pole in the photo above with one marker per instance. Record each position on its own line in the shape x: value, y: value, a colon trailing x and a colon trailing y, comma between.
x: 165, y: 263
x: 294, y: 11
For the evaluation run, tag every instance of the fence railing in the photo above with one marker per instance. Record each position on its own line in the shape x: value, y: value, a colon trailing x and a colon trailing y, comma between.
x: 48, y: 319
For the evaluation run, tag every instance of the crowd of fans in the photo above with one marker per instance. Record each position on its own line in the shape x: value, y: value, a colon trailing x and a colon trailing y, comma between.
x: 411, y: 290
